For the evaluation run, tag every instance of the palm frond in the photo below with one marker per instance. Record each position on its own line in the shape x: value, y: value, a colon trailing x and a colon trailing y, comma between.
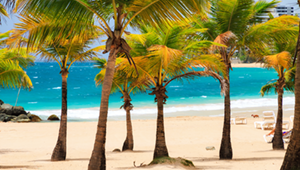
x: 193, y: 74
x: 12, y: 75
x: 267, y: 88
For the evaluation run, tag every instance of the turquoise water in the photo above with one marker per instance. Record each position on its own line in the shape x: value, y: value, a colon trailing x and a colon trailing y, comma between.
x: 198, y: 94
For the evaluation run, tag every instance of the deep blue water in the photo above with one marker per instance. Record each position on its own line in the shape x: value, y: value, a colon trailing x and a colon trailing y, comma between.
x: 82, y: 92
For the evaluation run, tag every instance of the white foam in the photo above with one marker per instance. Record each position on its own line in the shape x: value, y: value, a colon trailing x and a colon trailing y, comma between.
x: 51, y: 66
x: 56, y: 88
x: 32, y: 102
x: 35, y: 77
x: 247, y: 104
x: 204, y: 96
x: 37, y: 83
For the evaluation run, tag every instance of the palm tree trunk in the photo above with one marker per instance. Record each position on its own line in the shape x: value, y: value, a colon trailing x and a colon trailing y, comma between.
x: 225, y: 149
x: 277, y: 142
x: 59, y: 152
x: 160, y: 144
x: 98, y: 160
x: 292, y: 155
x: 128, y: 143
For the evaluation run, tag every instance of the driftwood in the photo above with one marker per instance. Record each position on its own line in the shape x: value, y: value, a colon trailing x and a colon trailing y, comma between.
x: 141, y: 165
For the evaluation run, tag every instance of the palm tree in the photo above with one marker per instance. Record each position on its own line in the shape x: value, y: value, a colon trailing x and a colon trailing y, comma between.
x: 165, y: 57
x: 65, y: 54
x: 12, y: 63
x: 64, y: 51
x: 134, y: 12
x: 291, y: 158
x: 236, y: 24
x: 282, y: 64
x: 126, y: 84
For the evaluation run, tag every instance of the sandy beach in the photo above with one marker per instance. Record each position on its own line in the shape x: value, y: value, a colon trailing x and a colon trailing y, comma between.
x: 29, y: 145
x: 247, y: 65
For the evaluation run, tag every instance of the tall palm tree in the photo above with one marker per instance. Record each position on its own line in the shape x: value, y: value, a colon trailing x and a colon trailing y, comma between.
x: 282, y: 65
x: 291, y: 158
x: 64, y: 51
x: 166, y: 56
x: 126, y: 84
x: 134, y: 12
x: 236, y: 24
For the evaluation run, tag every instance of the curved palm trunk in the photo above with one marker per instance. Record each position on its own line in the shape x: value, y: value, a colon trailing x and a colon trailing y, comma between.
x: 160, y: 143
x: 225, y: 149
x: 98, y: 160
x: 128, y: 143
x: 278, y: 142
x: 292, y: 155
x: 59, y: 152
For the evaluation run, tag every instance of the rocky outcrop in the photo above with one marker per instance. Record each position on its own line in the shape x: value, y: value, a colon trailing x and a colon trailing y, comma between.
x: 35, y: 118
x: 16, y: 114
x: 53, y: 117
x: 21, y: 118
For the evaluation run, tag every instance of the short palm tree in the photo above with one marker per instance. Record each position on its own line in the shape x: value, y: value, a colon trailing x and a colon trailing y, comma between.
x: 134, y: 12
x: 291, y: 158
x: 281, y: 63
x: 65, y: 54
x: 167, y: 56
x: 127, y: 85
x: 236, y: 24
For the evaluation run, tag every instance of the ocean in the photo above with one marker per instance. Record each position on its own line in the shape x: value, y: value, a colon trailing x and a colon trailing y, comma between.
x: 200, y: 96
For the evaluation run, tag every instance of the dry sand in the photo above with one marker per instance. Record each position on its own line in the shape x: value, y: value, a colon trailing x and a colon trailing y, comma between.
x: 246, y: 65
x: 29, y: 145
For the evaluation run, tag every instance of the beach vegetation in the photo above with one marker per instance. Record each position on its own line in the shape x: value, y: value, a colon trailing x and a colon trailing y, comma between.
x: 291, y: 158
x: 168, y: 55
x: 13, y: 61
x: 237, y: 24
x: 172, y: 161
x: 64, y: 51
x: 126, y: 84
x: 121, y: 14
x: 282, y: 64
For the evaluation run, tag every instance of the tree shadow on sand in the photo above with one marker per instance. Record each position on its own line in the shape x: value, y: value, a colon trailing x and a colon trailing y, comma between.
x: 199, y: 159
x: 17, y: 166
x: 68, y: 159
x: 5, y: 151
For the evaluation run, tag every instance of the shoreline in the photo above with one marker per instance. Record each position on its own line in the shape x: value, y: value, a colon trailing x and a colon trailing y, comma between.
x: 242, y: 107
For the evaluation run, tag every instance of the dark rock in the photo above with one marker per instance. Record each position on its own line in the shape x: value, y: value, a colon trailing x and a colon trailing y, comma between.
x: 8, y: 118
x: 53, y: 117
x: 1, y: 102
x: 2, y: 117
x: 18, y: 110
x: 116, y: 150
x: 34, y: 118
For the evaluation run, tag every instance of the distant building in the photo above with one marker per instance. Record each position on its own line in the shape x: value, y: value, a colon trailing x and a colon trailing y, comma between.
x: 285, y: 10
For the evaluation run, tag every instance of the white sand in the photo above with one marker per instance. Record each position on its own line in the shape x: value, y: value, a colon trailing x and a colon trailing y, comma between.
x: 246, y: 65
x: 29, y: 145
